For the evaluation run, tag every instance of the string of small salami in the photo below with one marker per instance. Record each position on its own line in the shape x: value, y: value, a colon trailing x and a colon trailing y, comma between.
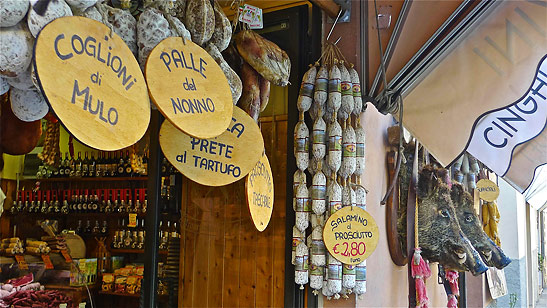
x: 330, y: 93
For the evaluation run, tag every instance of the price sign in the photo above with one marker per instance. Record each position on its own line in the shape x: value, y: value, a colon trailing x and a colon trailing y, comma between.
x: 216, y: 161
x: 66, y: 255
x: 259, y: 188
x: 47, y: 261
x: 93, y: 82
x: 21, y: 262
x: 351, y: 235
x: 488, y: 190
x: 189, y: 88
x: 132, y: 220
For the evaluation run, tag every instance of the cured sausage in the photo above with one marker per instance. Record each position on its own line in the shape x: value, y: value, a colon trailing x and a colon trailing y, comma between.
x: 223, y: 29
x: 200, y: 19
x: 250, y: 97
x: 346, y: 108
x: 305, y: 97
x: 348, y: 152
x: 236, y: 86
x: 16, y: 137
x: 301, y: 144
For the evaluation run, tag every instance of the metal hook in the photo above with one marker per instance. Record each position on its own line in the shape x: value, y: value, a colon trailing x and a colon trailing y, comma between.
x: 335, y: 22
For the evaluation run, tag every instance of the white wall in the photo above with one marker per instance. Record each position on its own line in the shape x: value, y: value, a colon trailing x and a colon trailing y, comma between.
x: 512, y: 227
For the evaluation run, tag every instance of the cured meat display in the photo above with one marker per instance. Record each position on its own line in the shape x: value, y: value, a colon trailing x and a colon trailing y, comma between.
x: 330, y: 92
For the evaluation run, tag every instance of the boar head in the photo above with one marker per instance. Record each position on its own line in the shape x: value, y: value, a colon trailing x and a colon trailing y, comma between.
x: 440, y: 236
x: 471, y: 226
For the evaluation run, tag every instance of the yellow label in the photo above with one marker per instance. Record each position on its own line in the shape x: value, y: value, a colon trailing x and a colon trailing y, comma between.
x: 189, y: 88
x: 132, y: 220
x: 259, y: 188
x: 217, y: 161
x: 92, y: 82
x: 488, y: 190
x: 351, y: 235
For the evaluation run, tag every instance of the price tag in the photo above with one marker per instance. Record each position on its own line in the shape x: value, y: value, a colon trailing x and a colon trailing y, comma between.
x: 251, y: 15
x: 351, y: 235
x: 47, y: 261
x: 67, y: 257
x: 21, y: 261
x: 132, y: 220
x: 488, y: 190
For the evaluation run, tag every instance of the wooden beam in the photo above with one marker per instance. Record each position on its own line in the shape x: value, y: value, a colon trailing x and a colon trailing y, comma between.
x: 329, y: 6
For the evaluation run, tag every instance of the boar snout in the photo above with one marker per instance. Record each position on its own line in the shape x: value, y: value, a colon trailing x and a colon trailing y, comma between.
x: 474, y: 263
x: 499, y: 259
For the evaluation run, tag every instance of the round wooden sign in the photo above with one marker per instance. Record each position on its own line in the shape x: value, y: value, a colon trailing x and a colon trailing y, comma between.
x: 92, y: 82
x: 259, y: 188
x: 488, y: 190
x: 217, y: 161
x: 351, y: 235
x: 189, y: 88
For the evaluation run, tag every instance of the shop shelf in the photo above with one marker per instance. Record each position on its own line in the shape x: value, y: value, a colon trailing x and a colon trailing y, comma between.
x: 93, y: 179
x: 119, y: 294
x: 134, y: 251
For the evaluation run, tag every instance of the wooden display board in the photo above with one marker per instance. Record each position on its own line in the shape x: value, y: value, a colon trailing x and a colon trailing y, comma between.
x: 189, y: 88
x: 351, y: 235
x: 92, y: 82
x: 217, y: 161
x: 259, y: 189
x: 488, y: 190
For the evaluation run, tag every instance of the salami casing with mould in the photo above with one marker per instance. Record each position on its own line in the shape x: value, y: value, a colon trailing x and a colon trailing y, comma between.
x: 305, y: 97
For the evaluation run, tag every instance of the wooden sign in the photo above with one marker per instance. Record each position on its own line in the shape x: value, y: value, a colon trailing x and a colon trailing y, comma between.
x: 488, y: 190
x: 217, y: 161
x: 189, y: 88
x: 351, y: 235
x: 259, y: 188
x: 92, y: 82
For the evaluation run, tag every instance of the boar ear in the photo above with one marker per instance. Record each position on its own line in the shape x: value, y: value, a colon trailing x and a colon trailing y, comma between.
x: 426, y: 181
x: 457, y: 192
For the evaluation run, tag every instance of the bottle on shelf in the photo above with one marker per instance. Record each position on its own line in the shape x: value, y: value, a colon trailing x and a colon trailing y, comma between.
x: 128, y: 168
x: 65, y: 209
x: 104, y: 229
x: 88, y: 228
x: 68, y: 166
x: 92, y: 165
x: 79, y: 228
x: 14, y: 207
x: 85, y: 165
x: 121, y: 165
x: 145, y: 163
x: 61, y: 168
x: 78, y: 165
x: 95, y: 204
x: 97, y: 228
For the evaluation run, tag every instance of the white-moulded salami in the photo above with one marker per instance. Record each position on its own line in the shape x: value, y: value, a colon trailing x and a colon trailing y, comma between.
x: 297, y: 238
x: 55, y: 9
x: 200, y: 19
x: 321, y: 86
x: 334, y: 282
x: 4, y: 85
x: 334, y: 99
x: 334, y: 196
x: 91, y: 13
x: 236, y: 86
x: 360, y: 279
x: 319, y: 138
x: 302, y: 212
x: 356, y: 89
x: 305, y: 97
x: 334, y: 154
x: 22, y: 81
x: 348, y: 196
x: 12, y: 12
x: 301, y: 265
x: 301, y: 145
x: 28, y: 105
x: 325, y: 290
x: 80, y: 5
x: 318, y: 250
x: 16, y: 46
x: 348, y: 152
x: 317, y: 221
x: 360, y: 196
x: 318, y: 193
x: 125, y: 25
x: 359, y: 149
x: 299, y: 177
x: 348, y: 278
x: 316, y: 278
x: 152, y: 28
x: 313, y: 166
x: 346, y: 108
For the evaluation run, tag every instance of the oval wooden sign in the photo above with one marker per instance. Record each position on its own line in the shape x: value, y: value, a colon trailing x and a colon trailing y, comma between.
x: 351, y: 235
x: 259, y: 189
x: 217, y: 161
x: 92, y: 82
x: 488, y: 190
x: 189, y: 88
